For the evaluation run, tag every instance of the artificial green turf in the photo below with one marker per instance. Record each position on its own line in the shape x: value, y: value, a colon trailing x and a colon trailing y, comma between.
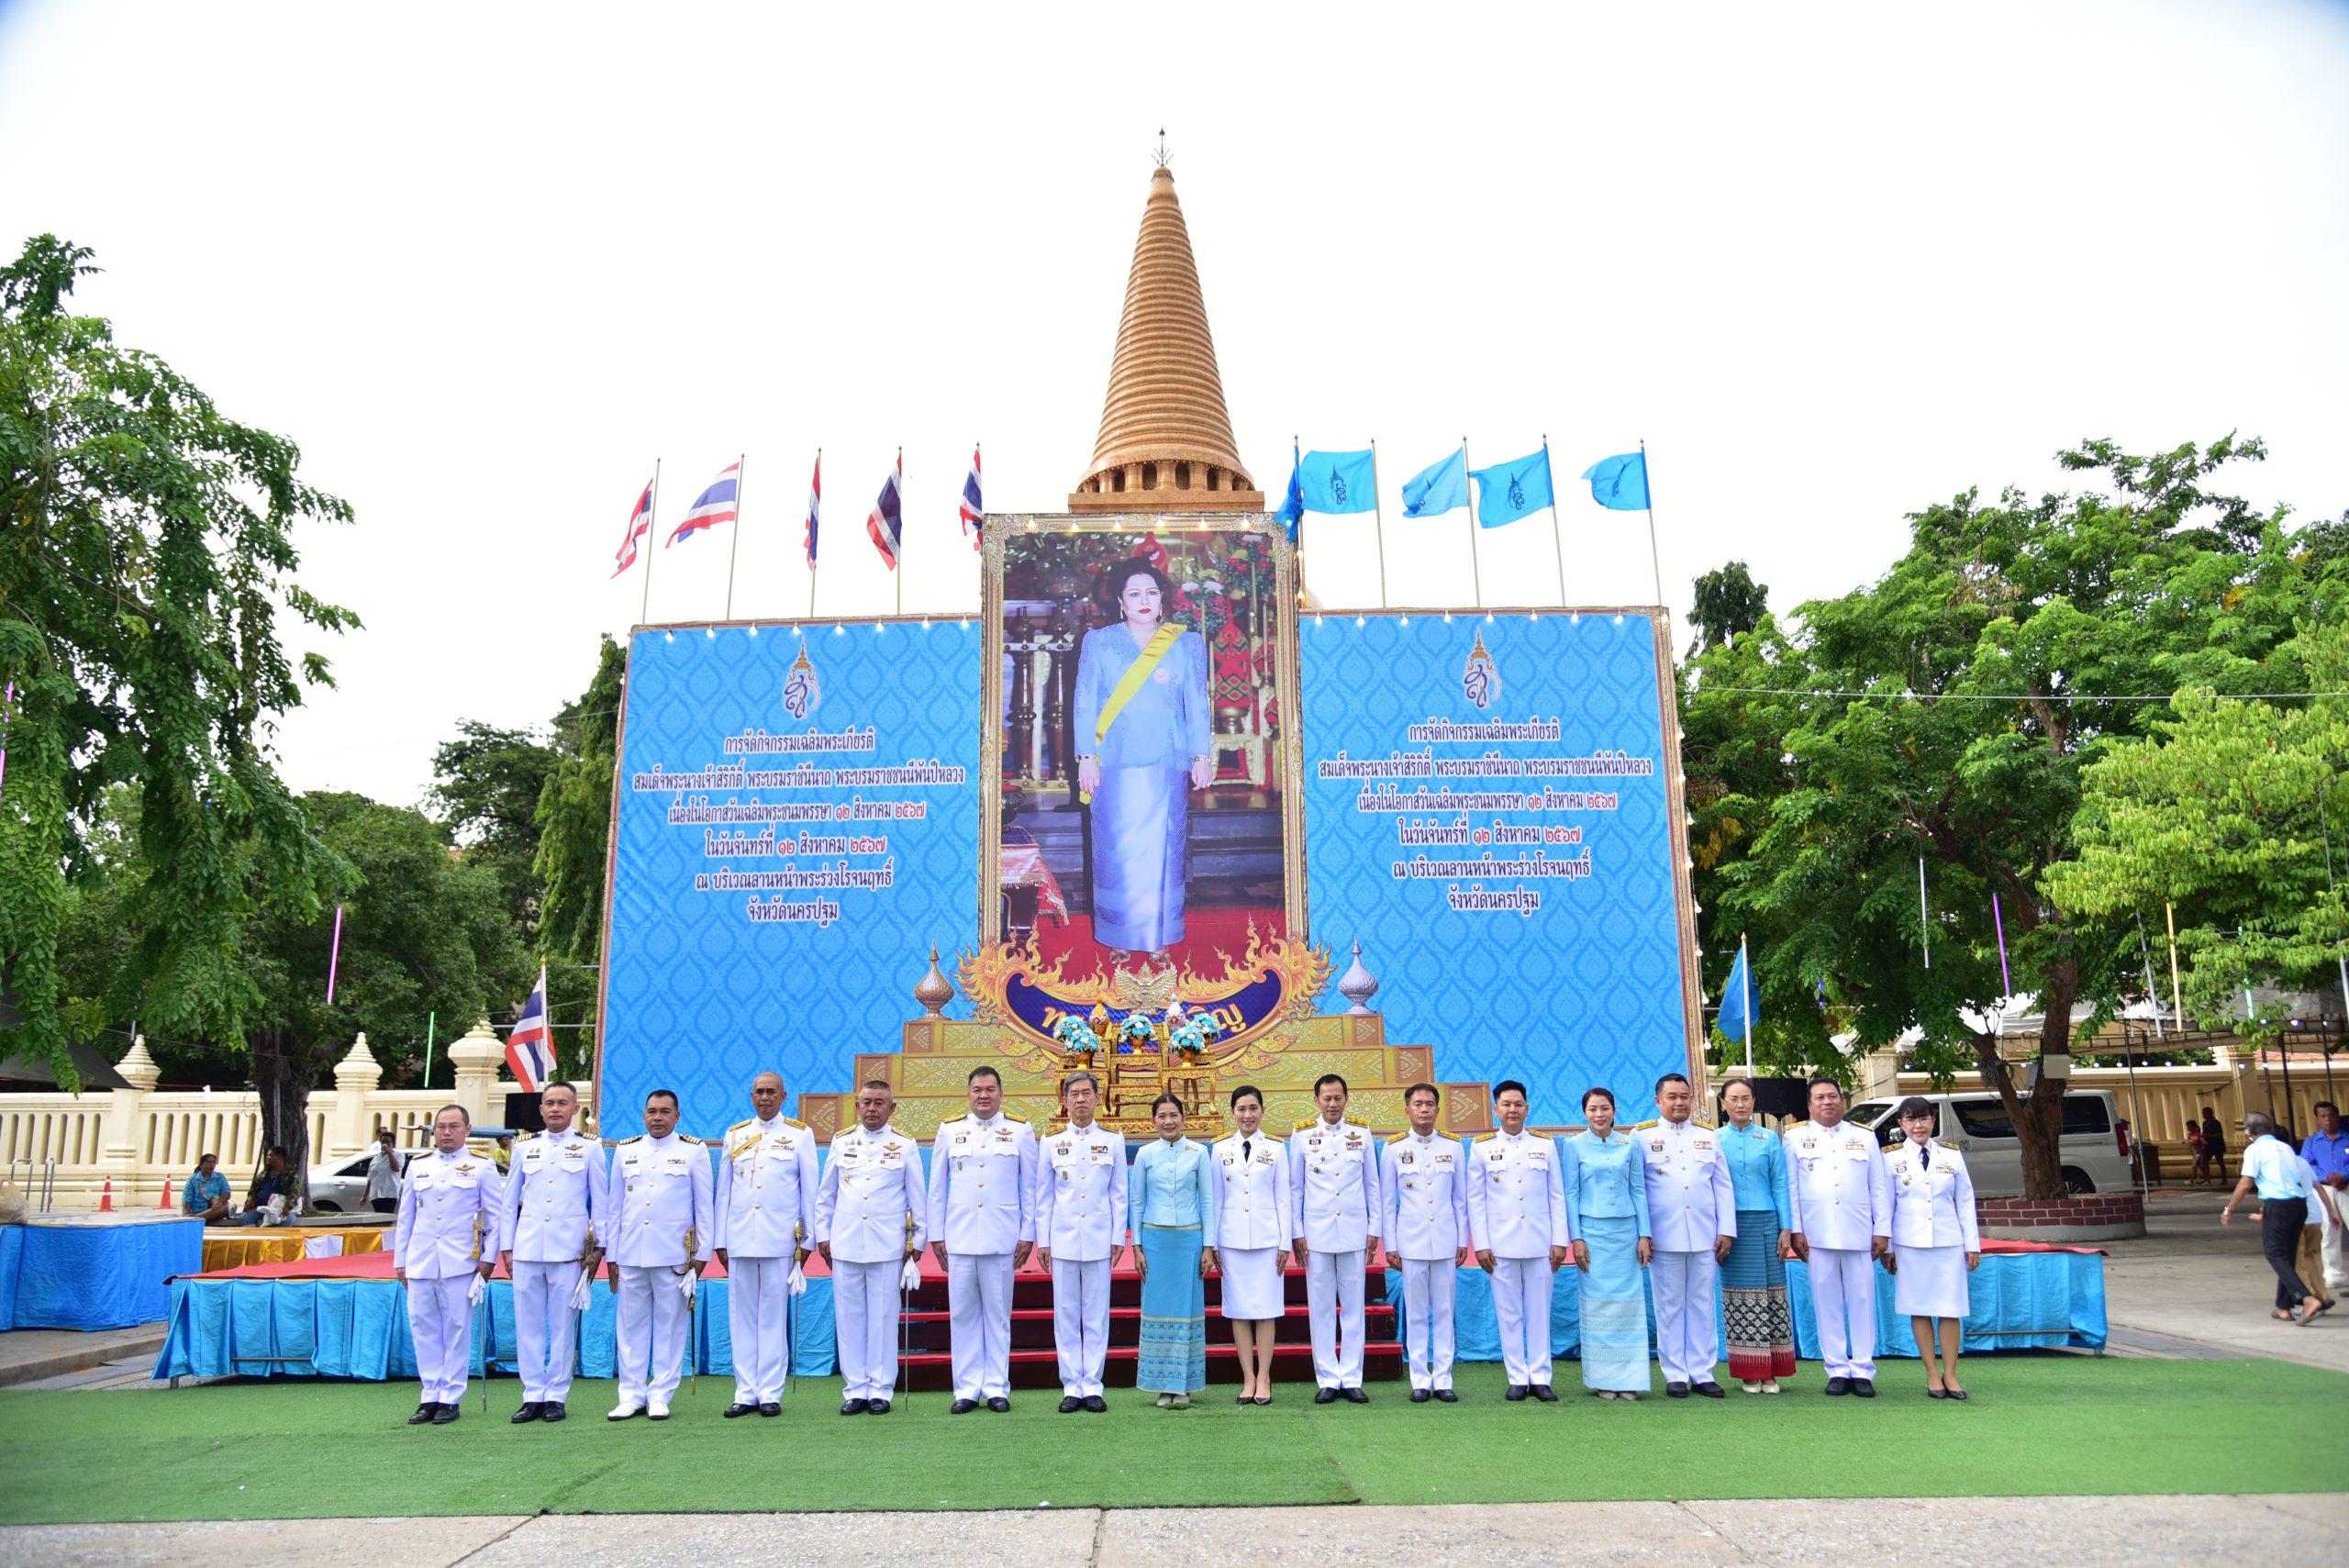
x: 2035, y: 1424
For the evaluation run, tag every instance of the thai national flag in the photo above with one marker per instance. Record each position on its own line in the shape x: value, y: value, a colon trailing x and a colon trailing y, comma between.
x: 529, y: 1049
x: 815, y: 506
x: 972, y: 509
x: 884, y: 522
x: 712, y: 507
x: 639, y: 526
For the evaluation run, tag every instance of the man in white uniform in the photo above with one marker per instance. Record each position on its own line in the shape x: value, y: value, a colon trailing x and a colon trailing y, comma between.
x: 982, y: 1171
x: 1423, y: 1213
x: 1080, y: 1207
x: 1692, y: 1215
x: 662, y: 1218
x: 553, y: 1222
x: 444, y: 1240
x: 766, y: 1202
x: 1840, y: 1197
x: 1333, y: 1191
x: 1517, y: 1212
x: 870, y: 1217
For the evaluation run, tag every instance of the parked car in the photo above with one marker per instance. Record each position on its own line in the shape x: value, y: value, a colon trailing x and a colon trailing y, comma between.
x: 2092, y: 1158
x: 340, y: 1186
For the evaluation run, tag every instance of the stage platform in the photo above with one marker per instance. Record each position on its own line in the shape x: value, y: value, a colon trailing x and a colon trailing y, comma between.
x: 81, y: 1269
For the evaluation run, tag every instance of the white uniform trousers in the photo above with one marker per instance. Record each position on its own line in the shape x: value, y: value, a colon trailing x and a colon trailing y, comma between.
x: 1688, y: 1337
x: 2335, y: 1245
x: 441, y: 1323
x: 1842, y: 1284
x: 546, y: 1329
x: 1522, y: 1291
x: 1428, y: 1284
x: 1081, y: 1322
x: 864, y: 1305
x: 1333, y: 1283
x: 652, y: 1340
x: 758, y: 1307
x: 978, y: 1289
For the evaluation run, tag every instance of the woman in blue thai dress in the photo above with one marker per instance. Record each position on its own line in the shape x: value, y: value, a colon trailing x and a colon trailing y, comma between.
x: 1607, y: 1215
x: 1171, y: 1203
x: 1143, y: 736
x: 1753, y: 1275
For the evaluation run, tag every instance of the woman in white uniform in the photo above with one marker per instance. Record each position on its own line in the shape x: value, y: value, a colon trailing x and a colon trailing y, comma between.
x: 1248, y: 1182
x: 1935, y: 1242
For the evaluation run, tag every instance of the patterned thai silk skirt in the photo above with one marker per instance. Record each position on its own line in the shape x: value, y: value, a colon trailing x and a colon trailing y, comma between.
x: 1173, y: 1311
x: 1141, y: 821
x: 1753, y: 1301
x: 1614, y: 1307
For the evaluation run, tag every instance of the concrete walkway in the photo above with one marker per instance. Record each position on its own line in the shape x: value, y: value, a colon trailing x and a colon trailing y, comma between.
x: 2276, y: 1531
x: 2194, y: 1289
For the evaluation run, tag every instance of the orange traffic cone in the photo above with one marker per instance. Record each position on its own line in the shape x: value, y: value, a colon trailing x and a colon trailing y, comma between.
x: 164, y: 1198
x: 105, y: 1197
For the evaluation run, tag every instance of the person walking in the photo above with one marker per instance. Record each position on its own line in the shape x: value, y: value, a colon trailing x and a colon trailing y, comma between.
x: 2214, y: 1143
x: 2200, y: 1176
x: 1935, y: 1242
x: 2270, y: 1168
x: 1171, y: 1205
x: 1606, y: 1215
x: 1250, y: 1229
x: 2327, y: 1152
x: 1753, y: 1275
x: 2323, y: 1216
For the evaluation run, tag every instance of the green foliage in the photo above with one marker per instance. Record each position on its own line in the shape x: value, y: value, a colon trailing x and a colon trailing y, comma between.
x: 147, y: 553
x: 1729, y: 603
x: 486, y: 785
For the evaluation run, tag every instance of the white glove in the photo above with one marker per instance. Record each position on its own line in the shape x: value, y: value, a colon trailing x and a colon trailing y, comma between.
x: 911, y: 1278
x: 797, y: 1283
x: 480, y: 1288
x: 685, y: 1283
x: 579, y: 1297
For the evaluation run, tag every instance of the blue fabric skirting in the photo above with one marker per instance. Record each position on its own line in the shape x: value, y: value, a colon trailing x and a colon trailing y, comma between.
x: 1141, y: 821
x: 96, y: 1276
x: 1173, y: 1312
x: 272, y: 1328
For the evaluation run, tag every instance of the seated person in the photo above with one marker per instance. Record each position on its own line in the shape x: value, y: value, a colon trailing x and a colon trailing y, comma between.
x: 206, y: 1196
x: 274, y: 1181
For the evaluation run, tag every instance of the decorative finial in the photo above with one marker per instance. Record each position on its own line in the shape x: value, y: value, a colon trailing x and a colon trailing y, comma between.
x: 1358, y: 986
x: 934, y: 990
x: 1160, y: 156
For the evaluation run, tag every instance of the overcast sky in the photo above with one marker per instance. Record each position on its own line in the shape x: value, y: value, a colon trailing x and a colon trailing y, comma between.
x: 1834, y: 263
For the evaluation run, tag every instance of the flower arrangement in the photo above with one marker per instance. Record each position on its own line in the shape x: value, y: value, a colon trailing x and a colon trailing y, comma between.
x: 1078, y: 1036
x: 1136, y: 1031
x: 1192, y: 1032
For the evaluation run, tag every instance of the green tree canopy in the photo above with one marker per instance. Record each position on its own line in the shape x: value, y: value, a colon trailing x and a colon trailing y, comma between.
x: 575, y: 822
x: 486, y: 785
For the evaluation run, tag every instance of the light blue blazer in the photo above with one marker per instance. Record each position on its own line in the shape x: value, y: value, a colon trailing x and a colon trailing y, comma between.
x: 1165, y: 724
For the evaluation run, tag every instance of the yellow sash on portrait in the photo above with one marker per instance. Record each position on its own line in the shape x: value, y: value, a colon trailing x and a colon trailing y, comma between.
x: 1161, y: 640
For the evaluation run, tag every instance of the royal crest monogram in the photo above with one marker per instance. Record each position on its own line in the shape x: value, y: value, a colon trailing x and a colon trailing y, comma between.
x: 801, y: 690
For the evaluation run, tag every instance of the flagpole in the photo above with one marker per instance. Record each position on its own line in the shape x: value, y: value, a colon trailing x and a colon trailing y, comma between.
x: 1468, y: 483
x: 899, y: 566
x: 735, y: 549
x: 1745, y: 972
x: 1647, y: 482
x: 2176, y: 1002
x: 1924, y: 914
x: 1557, y: 540
x: 1294, y: 461
x: 1378, y: 509
x: 652, y: 542
x: 816, y: 524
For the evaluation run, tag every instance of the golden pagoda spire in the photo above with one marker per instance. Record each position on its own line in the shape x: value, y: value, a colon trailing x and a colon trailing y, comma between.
x: 1165, y: 442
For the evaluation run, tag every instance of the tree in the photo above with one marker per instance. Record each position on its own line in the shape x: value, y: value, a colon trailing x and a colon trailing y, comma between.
x: 486, y: 785
x: 1729, y: 605
x: 1943, y: 715
x: 574, y: 824
x: 149, y: 553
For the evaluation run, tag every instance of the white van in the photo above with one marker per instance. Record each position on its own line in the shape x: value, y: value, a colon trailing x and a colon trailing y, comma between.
x: 1979, y: 1126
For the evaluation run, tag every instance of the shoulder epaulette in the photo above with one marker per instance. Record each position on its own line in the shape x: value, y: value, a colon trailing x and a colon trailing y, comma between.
x: 622, y: 1142
x: 1307, y: 1122
x: 1708, y: 1126
x: 743, y: 1123
x: 1399, y: 1138
x: 1356, y: 1121
x: 1644, y: 1126
x: 1015, y: 1116
x: 1795, y: 1126
x: 800, y: 1125
x: 1945, y: 1143
x: 523, y: 1137
x: 1482, y: 1136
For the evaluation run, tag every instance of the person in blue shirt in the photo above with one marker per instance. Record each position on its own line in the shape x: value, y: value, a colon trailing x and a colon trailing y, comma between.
x: 2327, y: 1152
x: 206, y: 1196
x: 2270, y: 1166
x: 1754, y: 1276
x: 1171, y: 1201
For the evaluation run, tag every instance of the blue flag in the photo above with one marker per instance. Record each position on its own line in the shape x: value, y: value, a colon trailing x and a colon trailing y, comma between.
x: 1619, y: 484
x: 1438, y: 489
x: 1338, y: 481
x: 1508, y: 491
x: 1292, y: 511
x: 1741, y: 1009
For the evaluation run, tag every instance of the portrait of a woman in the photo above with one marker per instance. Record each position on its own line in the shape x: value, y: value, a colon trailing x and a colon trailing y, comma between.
x: 1143, y: 726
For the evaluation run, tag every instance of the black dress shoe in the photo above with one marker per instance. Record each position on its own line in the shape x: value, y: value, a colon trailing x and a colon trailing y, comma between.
x: 741, y: 1407
x: 423, y: 1417
x: 1936, y: 1393
x: 999, y: 1405
x: 1839, y: 1385
x: 962, y: 1406
x: 445, y: 1414
x: 527, y: 1413
x: 1072, y: 1403
x: 1710, y: 1390
x: 1446, y: 1396
x: 1421, y: 1396
x: 856, y: 1407
x: 876, y: 1406
x: 1864, y: 1387
x: 551, y: 1411
x: 1325, y: 1397
x: 1676, y: 1391
x: 1355, y: 1395
x: 1956, y: 1393
x: 1545, y: 1394
x: 1096, y: 1404
x: 769, y: 1408
x: 1517, y: 1391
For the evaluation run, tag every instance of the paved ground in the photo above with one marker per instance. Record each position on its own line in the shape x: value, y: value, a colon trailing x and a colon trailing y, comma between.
x: 2277, y: 1531
x: 2195, y: 1288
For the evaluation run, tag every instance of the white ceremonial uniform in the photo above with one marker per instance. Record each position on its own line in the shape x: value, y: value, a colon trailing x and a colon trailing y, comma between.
x: 766, y: 1205
x: 1517, y: 1211
x: 1250, y: 1224
x: 1840, y: 1197
x: 1334, y: 1192
x: 1080, y: 1207
x: 1423, y: 1216
x: 663, y: 1216
x: 447, y: 1223
x: 1933, y: 1226
x: 871, y: 1207
x: 981, y: 1209
x: 553, y: 1214
x: 1692, y: 1202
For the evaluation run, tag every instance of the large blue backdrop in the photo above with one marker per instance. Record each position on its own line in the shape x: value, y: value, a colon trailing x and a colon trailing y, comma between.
x: 1487, y: 812
x: 798, y: 817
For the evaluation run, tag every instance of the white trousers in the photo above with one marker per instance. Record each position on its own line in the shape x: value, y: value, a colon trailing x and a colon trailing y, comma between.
x: 1522, y: 1291
x: 1428, y: 1284
x: 758, y: 1308
x: 1081, y: 1322
x: 978, y: 1290
x: 652, y: 1321
x: 1687, y: 1336
x: 1333, y: 1282
x: 1843, y: 1285
x: 864, y: 1307
x: 546, y: 1329
x: 2336, y: 1246
x: 440, y: 1322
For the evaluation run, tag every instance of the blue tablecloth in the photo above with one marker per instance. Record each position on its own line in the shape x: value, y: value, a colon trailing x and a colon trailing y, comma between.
x: 292, y: 1328
x: 98, y: 1276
